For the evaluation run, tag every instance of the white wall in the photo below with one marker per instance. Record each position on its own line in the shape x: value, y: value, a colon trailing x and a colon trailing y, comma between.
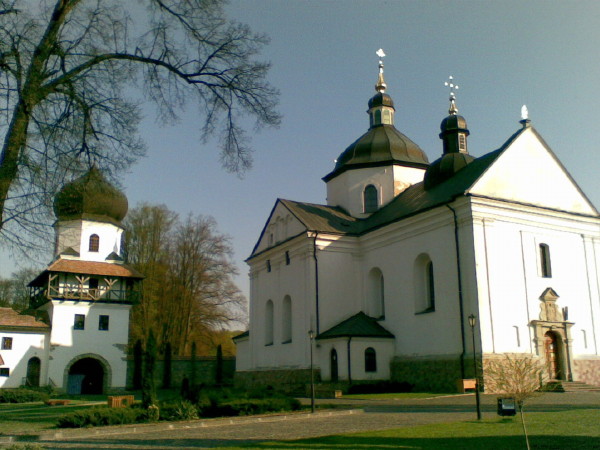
x: 25, y: 345
x: 76, y: 234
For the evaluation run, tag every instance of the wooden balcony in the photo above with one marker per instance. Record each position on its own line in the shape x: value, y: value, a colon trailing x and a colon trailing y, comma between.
x: 39, y: 295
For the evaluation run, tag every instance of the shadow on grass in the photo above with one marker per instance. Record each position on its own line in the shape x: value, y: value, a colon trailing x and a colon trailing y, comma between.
x: 487, y: 443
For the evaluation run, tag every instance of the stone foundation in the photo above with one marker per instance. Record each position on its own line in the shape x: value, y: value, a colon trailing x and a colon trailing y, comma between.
x: 288, y: 381
x: 587, y: 371
x: 428, y: 374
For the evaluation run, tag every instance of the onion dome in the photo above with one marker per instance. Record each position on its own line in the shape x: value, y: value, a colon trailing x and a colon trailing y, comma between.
x: 92, y: 197
x: 383, y: 144
x: 454, y: 134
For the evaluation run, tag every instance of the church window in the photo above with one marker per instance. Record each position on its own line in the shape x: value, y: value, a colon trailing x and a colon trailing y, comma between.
x: 7, y: 343
x: 377, y: 117
x: 94, y: 243
x: 376, y: 296
x: 287, y: 258
x: 268, y: 265
x: 269, y: 323
x: 545, y: 265
x: 103, y: 323
x: 462, y: 143
x: 370, y: 199
x: 584, y: 338
x: 387, y: 117
x: 79, y: 323
x: 424, y: 285
x: 370, y: 360
x: 517, y: 335
x: 286, y: 320
x: 4, y: 372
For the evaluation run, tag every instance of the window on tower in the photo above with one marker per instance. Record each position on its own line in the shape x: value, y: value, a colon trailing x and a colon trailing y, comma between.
x: 370, y: 199
x: 103, y: 323
x: 545, y: 265
x: 79, y: 323
x: 94, y: 243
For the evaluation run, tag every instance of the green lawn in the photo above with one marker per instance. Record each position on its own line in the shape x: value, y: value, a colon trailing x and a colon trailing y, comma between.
x: 392, y: 396
x: 577, y: 429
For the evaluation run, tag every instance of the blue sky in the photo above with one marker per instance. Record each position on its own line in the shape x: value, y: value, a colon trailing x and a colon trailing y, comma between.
x: 503, y: 54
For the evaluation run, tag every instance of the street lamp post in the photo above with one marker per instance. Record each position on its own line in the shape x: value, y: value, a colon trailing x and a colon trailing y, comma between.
x: 311, y: 336
x: 472, y: 322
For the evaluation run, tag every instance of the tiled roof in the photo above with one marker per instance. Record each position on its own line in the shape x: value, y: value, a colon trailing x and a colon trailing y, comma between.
x: 323, y: 218
x: 9, y: 318
x: 359, y: 325
x: 88, y: 268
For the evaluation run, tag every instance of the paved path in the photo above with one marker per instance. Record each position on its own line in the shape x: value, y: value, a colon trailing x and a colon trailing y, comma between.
x: 362, y: 416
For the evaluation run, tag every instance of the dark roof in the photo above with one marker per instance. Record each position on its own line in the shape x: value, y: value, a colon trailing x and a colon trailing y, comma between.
x: 359, y: 325
x: 381, y: 145
x: 241, y: 335
x: 11, y: 319
x: 87, y: 268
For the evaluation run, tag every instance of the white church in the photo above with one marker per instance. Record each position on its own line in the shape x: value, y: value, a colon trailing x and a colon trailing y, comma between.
x: 75, y: 337
x: 385, y: 275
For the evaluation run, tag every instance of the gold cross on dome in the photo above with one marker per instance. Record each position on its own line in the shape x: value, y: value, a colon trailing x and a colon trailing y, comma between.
x: 452, y: 86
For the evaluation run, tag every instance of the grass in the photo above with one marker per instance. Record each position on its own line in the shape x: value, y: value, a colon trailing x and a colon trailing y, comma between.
x: 394, y: 396
x: 575, y: 429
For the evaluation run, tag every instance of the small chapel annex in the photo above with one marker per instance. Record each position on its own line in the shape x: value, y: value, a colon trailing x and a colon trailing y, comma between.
x: 385, y: 275
x: 75, y: 335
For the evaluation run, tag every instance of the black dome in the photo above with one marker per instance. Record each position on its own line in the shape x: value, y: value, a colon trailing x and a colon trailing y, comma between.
x: 90, y: 195
x: 454, y: 122
x: 381, y: 99
x: 445, y: 167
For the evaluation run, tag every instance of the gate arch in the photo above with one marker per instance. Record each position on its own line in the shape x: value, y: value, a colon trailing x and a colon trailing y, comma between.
x: 87, y: 374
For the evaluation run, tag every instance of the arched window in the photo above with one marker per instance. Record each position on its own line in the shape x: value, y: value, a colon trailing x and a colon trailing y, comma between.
x: 424, y: 284
x: 286, y: 320
x: 333, y: 362
x: 545, y: 264
x: 370, y: 199
x: 269, y: 323
x: 376, y: 306
x: 387, y: 117
x: 377, y: 120
x: 370, y: 360
x: 94, y: 243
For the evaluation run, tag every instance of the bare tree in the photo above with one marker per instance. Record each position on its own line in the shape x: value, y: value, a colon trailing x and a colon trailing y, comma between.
x: 66, y: 69
x: 189, y: 290
x: 14, y: 291
x: 515, y: 376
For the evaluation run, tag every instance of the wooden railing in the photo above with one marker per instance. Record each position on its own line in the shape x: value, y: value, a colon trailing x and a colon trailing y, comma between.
x: 39, y: 296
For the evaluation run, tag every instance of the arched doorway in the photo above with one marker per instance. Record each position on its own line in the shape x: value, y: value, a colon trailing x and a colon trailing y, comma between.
x: 86, y: 376
x: 552, y: 352
x: 334, y: 365
x: 33, y: 371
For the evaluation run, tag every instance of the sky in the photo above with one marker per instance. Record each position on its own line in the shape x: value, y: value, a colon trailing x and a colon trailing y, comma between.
x: 502, y: 54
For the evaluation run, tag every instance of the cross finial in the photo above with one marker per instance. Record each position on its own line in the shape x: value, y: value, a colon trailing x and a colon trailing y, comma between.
x: 525, y: 117
x: 380, y: 86
x: 453, y: 87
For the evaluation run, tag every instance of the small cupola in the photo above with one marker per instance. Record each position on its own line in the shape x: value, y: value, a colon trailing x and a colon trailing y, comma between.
x: 454, y: 134
x: 381, y: 106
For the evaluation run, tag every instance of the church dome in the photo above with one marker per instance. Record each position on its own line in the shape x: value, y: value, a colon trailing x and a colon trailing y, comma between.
x: 90, y: 195
x: 445, y: 168
x: 381, y: 99
x: 453, y: 123
x: 382, y: 144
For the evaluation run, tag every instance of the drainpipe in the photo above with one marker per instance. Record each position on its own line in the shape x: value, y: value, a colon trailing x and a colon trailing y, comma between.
x: 460, y: 295
x: 349, y: 362
x: 316, y: 282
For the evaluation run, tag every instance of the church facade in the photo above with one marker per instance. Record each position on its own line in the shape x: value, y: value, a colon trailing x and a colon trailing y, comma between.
x: 380, y: 281
x: 75, y: 335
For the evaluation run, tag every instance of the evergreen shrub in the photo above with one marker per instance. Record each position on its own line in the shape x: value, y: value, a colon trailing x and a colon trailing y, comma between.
x: 21, y: 395
x: 103, y: 416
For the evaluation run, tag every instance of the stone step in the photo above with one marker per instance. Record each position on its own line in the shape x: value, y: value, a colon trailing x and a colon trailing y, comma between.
x: 574, y: 386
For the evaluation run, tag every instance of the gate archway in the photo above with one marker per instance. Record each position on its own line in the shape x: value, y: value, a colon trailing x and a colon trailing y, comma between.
x: 87, y: 374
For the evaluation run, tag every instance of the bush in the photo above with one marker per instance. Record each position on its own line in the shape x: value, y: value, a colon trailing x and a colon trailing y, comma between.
x: 22, y: 396
x: 101, y: 417
x: 244, y: 407
x: 381, y: 387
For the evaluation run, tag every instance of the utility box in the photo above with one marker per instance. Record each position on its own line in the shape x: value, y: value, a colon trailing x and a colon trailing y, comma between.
x: 507, y: 407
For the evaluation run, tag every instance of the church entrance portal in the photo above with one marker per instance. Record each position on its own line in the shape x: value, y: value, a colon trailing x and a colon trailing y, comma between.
x: 86, y: 376
x: 552, y: 353
x: 334, y: 366
x: 33, y: 372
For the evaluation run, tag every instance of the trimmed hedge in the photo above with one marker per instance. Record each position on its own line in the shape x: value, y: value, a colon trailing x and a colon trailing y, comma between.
x: 102, y: 416
x: 21, y: 395
x: 381, y: 387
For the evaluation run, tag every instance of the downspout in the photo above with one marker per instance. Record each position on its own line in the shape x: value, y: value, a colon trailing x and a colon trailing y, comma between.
x: 460, y: 295
x: 349, y: 361
x: 316, y: 283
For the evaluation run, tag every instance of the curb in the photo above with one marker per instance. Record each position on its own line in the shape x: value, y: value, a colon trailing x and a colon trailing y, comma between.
x: 152, y: 427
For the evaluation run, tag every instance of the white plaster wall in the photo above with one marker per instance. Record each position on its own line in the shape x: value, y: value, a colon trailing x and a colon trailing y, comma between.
x: 510, y: 282
x: 25, y: 345
x: 346, y: 190
x: 282, y: 225
x: 67, y: 343
x: 242, y: 355
x: 384, y: 349
x: 76, y: 234
x: 295, y: 280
